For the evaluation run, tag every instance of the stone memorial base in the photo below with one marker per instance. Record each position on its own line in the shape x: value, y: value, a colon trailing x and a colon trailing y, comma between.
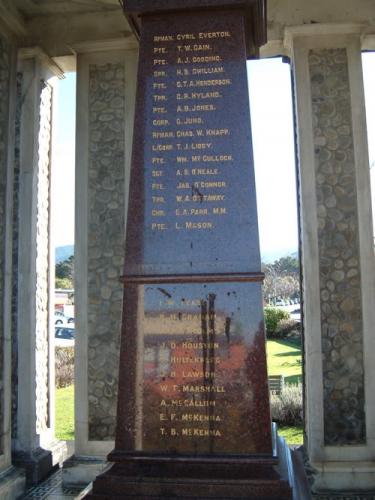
x: 79, y: 471
x: 142, y: 476
x: 37, y: 464
x: 148, y: 477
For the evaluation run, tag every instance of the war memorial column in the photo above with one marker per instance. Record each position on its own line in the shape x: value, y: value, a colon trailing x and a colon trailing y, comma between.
x: 106, y: 83
x: 337, y: 254
x: 35, y: 447
x: 12, y: 481
x: 193, y: 412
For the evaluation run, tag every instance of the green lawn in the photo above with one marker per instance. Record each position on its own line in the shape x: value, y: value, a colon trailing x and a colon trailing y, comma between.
x: 292, y: 435
x: 64, y: 422
x: 284, y: 358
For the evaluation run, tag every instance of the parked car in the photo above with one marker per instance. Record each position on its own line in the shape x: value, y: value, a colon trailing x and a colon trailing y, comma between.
x: 296, y: 315
x: 279, y: 302
x: 61, y: 319
x: 64, y: 333
x: 64, y: 336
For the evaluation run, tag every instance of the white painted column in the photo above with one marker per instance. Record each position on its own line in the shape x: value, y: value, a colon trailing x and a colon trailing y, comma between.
x: 34, y: 442
x: 337, y: 254
x: 106, y: 82
x: 12, y: 481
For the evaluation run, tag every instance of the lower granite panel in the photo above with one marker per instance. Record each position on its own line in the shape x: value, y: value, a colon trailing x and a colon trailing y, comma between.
x: 194, y: 376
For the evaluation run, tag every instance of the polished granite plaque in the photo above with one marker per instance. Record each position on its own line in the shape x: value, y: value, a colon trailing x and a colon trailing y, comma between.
x: 192, y: 195
x: 198, y: 376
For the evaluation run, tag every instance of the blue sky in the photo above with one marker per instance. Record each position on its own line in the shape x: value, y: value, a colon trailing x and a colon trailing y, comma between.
x: 273, y: 144
x: 63, y: 163
x: 368, y: 60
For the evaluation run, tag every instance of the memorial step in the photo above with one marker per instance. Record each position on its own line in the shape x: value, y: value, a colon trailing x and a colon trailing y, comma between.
x: 115, y: 487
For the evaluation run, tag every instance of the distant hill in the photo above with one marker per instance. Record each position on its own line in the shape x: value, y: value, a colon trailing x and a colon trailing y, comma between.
x: 63, y: 253
x: 271, y: 256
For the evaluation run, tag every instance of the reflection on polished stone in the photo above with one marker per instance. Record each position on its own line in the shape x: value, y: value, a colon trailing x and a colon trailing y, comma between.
x: 202, y: 385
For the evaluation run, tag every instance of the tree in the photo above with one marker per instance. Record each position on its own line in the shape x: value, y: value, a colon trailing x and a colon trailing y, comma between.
x: 64, y: 273
x: 281, y: 279
x: 287, y: 265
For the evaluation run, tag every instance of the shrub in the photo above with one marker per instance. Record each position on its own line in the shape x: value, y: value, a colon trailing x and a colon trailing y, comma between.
x: 272, y: 316
x: 286, y: 408
x: 285, y: 327
x: 64, y: 366
x: 63, y: 283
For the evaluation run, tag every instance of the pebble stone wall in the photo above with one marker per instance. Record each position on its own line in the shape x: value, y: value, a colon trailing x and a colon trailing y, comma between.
x: 340, y: 288
x: 16, y: 186
x: 105, y: 243
x: 42, y: 259
x: 4, y: 98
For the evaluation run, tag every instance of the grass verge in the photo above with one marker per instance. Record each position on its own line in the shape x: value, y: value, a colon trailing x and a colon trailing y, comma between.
x: 64, y: 410
x: 292, y: 435
x: 284, y: 358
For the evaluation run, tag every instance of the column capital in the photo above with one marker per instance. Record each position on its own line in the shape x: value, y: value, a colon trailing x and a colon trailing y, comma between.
x: 44, y: 59
x: 327, y: 35
x: 368, y: 41
x: 323, y: 35
x: 125, y: 43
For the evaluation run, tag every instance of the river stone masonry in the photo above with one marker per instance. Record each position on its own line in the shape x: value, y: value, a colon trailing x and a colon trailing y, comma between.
x: 15, y: 248
x: 4, y: 97
x: 339, y: 269
x: 106, y: 222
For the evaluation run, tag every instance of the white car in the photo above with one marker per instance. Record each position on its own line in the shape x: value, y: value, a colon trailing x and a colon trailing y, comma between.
x: 296, y: 315
x: 60, y: 318
x: 280, y: 302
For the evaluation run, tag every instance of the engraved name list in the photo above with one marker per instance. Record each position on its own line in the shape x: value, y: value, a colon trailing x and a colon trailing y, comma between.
x: 189, y: 152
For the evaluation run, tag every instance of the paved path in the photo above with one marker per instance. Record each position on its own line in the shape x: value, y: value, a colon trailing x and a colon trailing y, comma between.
x: 52, y: 489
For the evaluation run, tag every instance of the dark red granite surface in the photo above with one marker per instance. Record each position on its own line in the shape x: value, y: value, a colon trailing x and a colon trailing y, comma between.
x: 254, y: 12
x: 193, y: 411
x: 192, y: 196
x: 194, y: 377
